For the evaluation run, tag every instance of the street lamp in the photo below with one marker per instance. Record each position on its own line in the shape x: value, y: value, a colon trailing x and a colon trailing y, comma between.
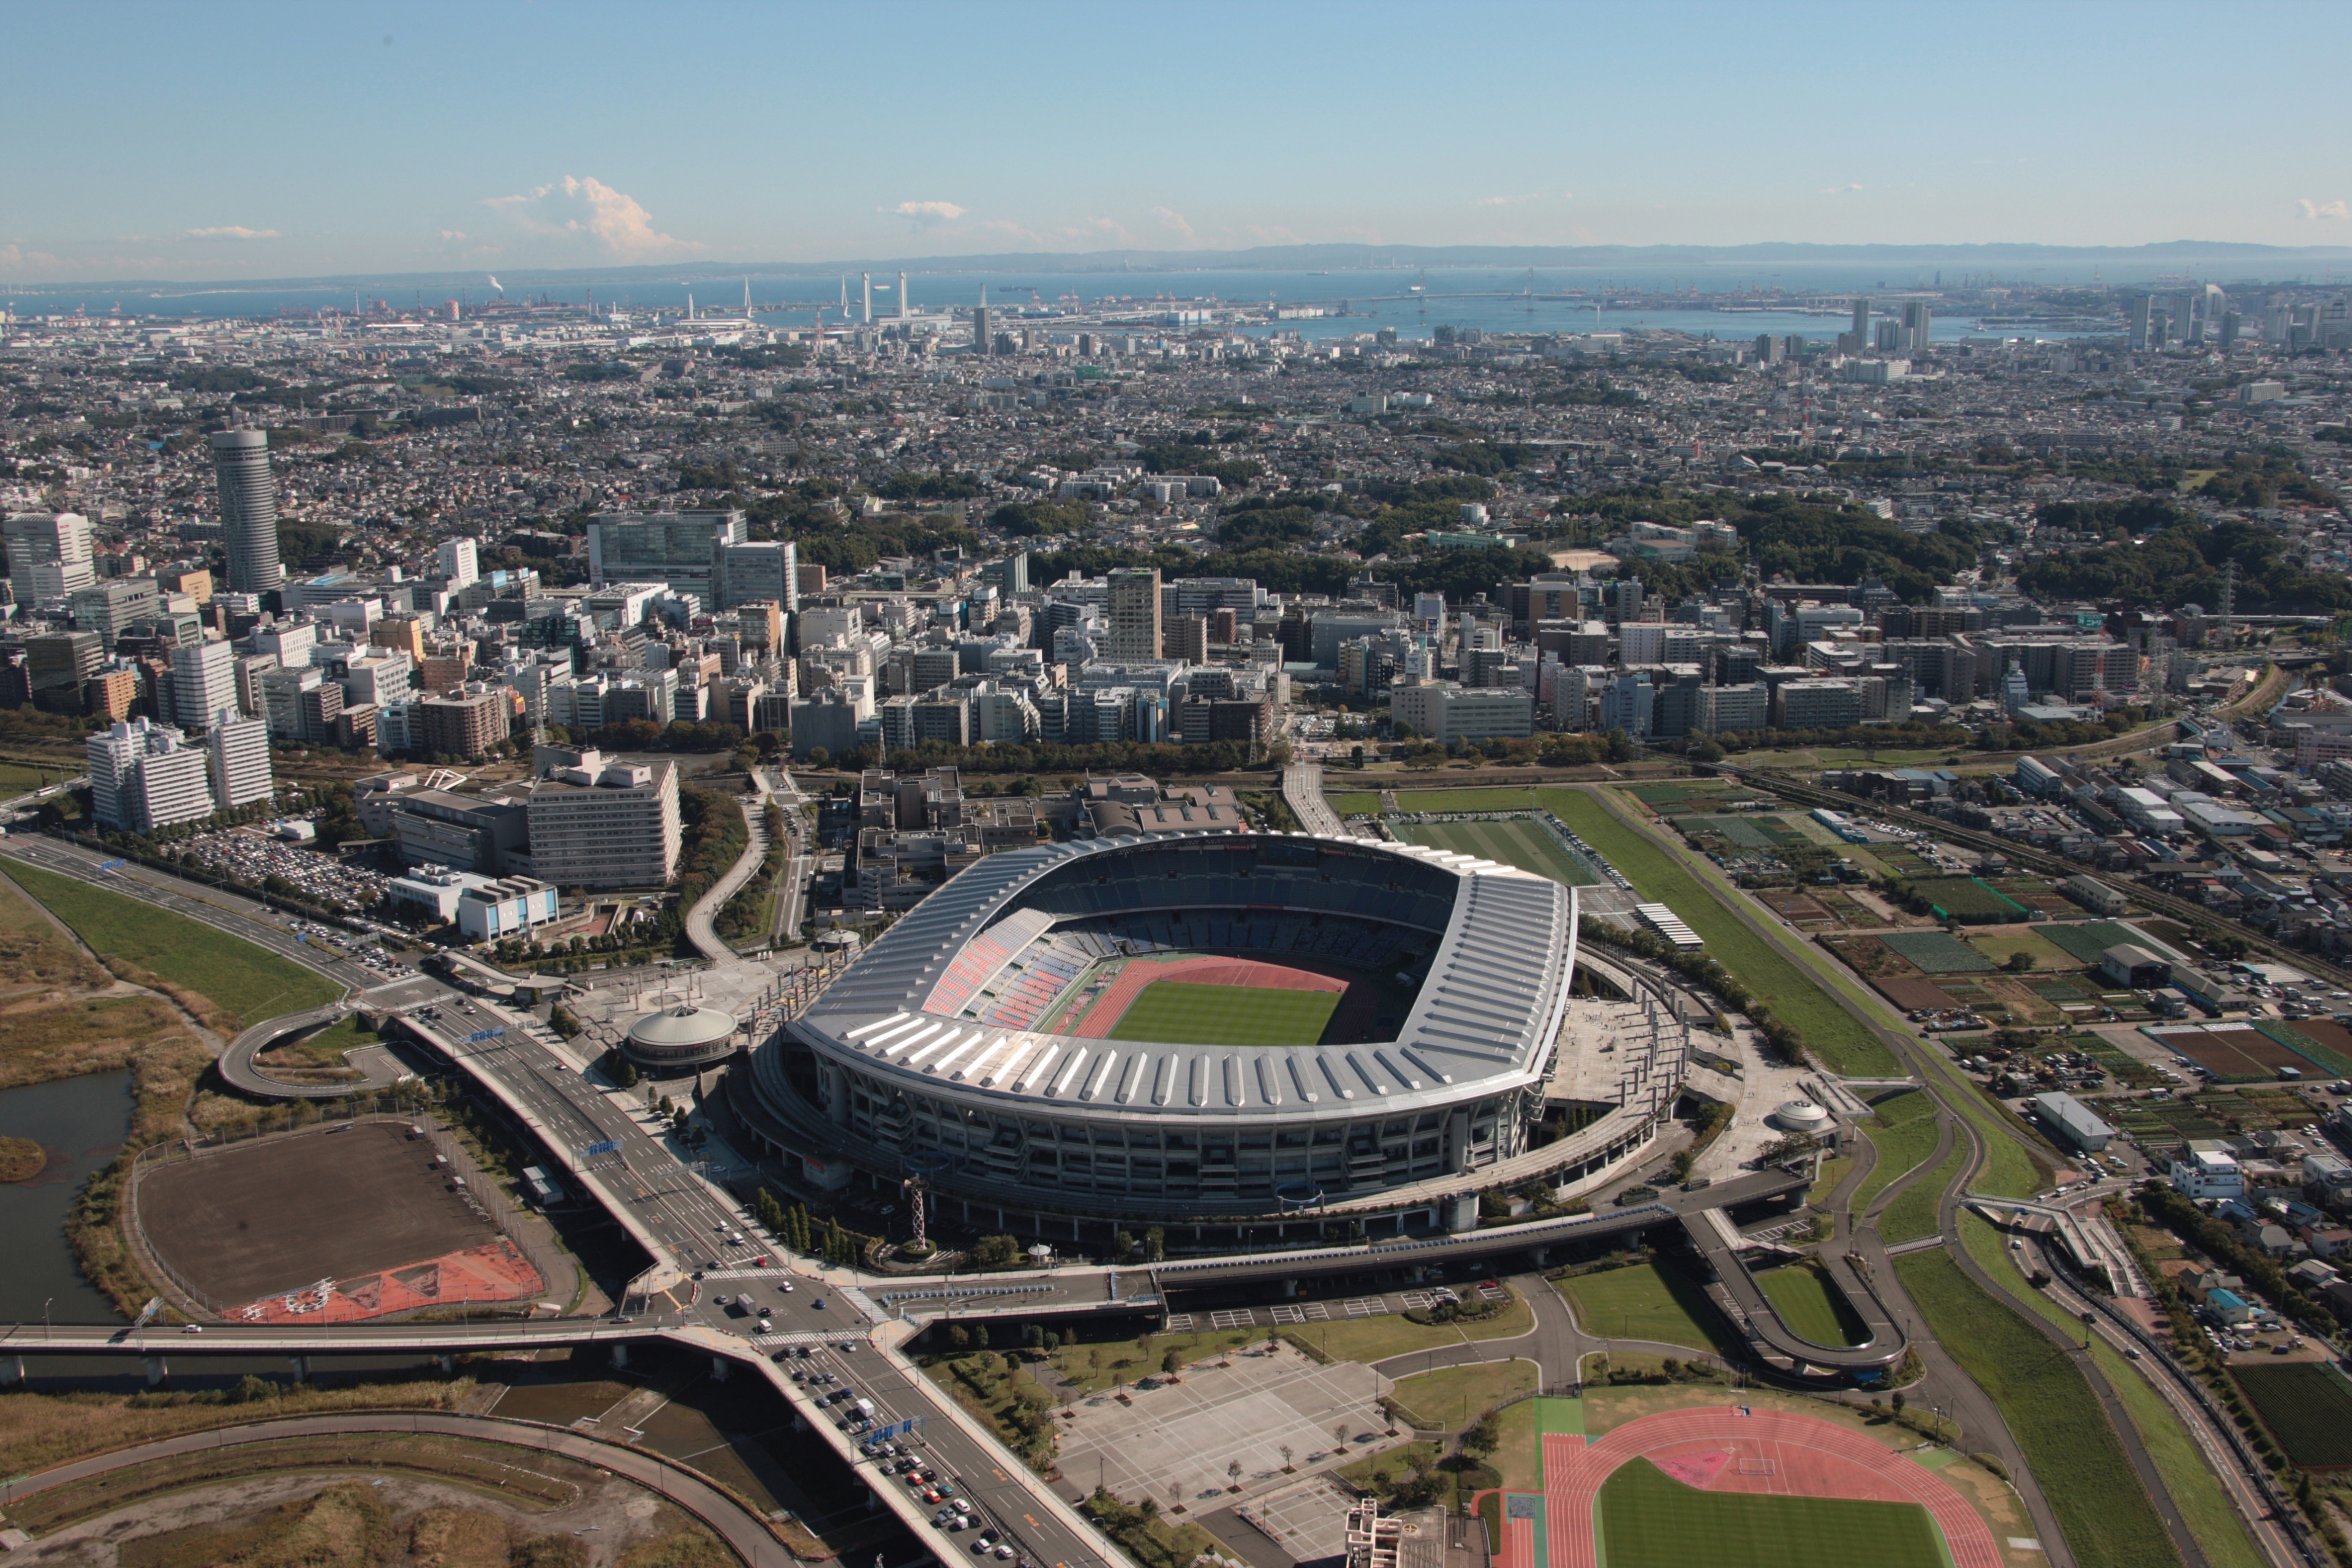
x: 45, y: 1317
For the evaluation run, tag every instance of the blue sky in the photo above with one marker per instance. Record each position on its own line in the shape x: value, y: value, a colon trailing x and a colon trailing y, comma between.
x: 228, y: 140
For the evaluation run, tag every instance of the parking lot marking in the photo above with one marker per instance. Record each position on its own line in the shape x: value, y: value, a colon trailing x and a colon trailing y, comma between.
x: 1316, y: 1312
x: 1492, y: 1291
x: 1415, y: 1301
x: 1179, y: 1322
x: 1230, y: 1319
x: 1366, y: 1307
x: 1287, y: 1315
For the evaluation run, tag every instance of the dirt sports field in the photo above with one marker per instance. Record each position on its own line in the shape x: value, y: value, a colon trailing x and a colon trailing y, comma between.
x: 271, y: 1216
x: 1354, y: 1009
x: 1722, y: 1484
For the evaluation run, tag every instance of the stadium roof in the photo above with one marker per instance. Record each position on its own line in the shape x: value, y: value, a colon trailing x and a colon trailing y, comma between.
x: 1484, y: 1020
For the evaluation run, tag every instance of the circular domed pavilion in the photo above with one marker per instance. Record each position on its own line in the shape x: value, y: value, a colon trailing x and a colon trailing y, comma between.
x: 680, y: 1038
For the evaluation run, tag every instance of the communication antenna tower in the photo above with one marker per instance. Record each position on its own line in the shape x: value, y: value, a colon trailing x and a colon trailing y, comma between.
x: 2229, y: 599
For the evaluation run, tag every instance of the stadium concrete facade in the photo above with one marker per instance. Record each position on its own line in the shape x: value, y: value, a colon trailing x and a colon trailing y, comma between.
x: 976, y: 1044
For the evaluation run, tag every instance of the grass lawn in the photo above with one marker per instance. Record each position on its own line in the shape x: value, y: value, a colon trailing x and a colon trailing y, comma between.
x: 1370, y: 1340
x: 1797, y: 998
x: 1108, y: 1364
x: 245, y: 982
x: 2076, y: 1455
x: 2212, y: 1519
x: 1647, y: 1518
x: 1646, y: 1302
x: 1813, y: 1307
x: 324, y: 1049
x: 1904, y: 1133
x: 1352, y: 802
x: 1833, y: 1170
x: 1176, y: 1013
x: 1504, y: 799
x: 1912, y: 1215
x: 1451, y: 1398
x: 1522, y: 844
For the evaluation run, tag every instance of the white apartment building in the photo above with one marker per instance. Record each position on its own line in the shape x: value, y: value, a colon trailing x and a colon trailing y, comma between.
x: 144, y: 775
x: 204, y: 681
x: 238, y: 755
x: 1132, y: 630
x: 599, y: 824
x: 49, y: 555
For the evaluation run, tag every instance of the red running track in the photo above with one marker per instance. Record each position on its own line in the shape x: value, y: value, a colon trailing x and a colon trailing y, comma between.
x: 1112, y: 1004
x: 1723, y: 1450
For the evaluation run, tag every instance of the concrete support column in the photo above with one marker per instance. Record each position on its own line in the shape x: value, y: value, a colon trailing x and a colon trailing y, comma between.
x: 12, y: 1370
x: 448, y: 1364
x: 620, y: 1356
x: 156, y: 1371
x: 719, y: 1367
x: 1289, y: 1288
x: 301, y: 1365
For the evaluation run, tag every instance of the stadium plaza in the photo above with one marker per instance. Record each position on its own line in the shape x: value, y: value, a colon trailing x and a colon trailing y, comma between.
x: 1053, y: 1043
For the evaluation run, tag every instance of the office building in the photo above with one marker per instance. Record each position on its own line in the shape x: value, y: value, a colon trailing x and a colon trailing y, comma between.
x: 1132, y: 633
x: 456, y: 563
x: 58, y: 662
x: 981, y: 344
x: 248, y: 501
x: 1444, y: 711
x: 49, y: 555
x: 682, y: 550
x: 1918, y: 326
x: 237, y: 756
x: 510, y: 906
x: 601, y: 823
x: 109, y: 607
x: 761, y: 569
x: 204, y: 682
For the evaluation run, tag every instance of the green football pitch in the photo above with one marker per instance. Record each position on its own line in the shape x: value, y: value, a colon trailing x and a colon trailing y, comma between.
x: 1177, y: 1014
x: 1513, y: 843
x: 1649, y: 1520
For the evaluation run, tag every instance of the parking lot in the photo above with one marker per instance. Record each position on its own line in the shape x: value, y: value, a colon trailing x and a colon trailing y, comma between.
x: 252, y: 855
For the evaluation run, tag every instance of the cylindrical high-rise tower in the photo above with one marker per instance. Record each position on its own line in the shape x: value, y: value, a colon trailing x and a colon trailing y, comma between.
x: 248, y: 496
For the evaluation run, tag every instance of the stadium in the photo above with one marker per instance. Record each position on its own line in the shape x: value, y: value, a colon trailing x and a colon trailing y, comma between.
x: 1106, y: 1032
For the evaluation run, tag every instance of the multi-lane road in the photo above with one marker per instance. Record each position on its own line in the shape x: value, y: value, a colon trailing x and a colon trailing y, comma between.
x: 633, y: 1160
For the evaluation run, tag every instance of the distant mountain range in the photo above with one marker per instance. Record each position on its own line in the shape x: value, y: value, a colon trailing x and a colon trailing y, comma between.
x: 1298, y: 259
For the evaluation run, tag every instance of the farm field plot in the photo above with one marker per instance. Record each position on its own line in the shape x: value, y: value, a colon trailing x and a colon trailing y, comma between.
x: 1525, y: 843
x: 1968, y: 900
x: 2232, y: 1054
x: 2326, y: 1046
x: 1647, y: 1519
x: 1179, y: 1013
x: 1999, y: 946
x: 2307, y: 1406
x: 2089, y: 939
x: 1936, y: 952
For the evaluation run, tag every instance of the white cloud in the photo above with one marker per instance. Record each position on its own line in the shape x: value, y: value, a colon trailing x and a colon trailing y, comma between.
x: 452, y: 236
x: 926, y: 215
x: 1170, y: 218
x: 1103, y: 228
x: 1837, y: 190
x: 2335, y: 209
x: 591, y: 211
x: 231, y: 232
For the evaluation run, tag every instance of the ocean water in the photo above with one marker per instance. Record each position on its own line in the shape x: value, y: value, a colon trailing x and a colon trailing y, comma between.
x: 1730, y: 301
